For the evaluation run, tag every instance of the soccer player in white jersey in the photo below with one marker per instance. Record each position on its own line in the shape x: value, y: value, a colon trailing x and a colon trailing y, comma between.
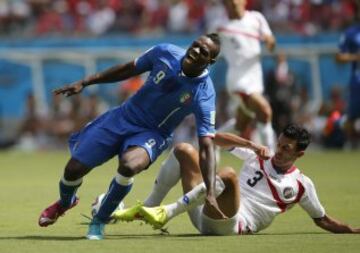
x: 241, y: 39
x: 267, y: 186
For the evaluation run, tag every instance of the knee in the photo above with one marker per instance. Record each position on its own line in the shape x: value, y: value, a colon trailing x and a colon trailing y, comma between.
x: 229, y: 176
x: 265, y: 114
x: 130, y: 167
x: 183, y: 151
x: 75, y: 170
x: 127, y: 168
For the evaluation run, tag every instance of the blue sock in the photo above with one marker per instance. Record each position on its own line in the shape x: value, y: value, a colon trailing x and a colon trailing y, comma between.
x: 67, y: 192
x: 113, y: 197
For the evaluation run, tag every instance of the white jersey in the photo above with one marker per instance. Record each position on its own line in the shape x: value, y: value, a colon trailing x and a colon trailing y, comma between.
x: 241, y: 47
x: 266, y: 193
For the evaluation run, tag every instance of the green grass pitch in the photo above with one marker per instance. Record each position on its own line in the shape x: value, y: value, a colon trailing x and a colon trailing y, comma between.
x: 29, y: 182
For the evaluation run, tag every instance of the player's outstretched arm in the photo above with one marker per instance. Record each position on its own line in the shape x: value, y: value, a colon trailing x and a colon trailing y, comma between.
x: 228, y: 140
x: 334, y: 226
x: 113, y: 74
x: 347, y: 57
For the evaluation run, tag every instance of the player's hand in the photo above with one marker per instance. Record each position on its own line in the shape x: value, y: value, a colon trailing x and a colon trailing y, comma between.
x: 356, y: 230
x: 71, y: 89
x: 212, y: 203
x: 263, y: 152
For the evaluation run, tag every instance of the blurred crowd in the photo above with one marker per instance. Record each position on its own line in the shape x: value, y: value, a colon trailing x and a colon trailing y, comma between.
x: 51, y: 128
x: 290, y: 99
x: 98, y: 17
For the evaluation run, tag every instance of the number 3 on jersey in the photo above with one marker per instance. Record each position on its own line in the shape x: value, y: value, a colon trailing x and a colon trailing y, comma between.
x: 253, y: 181
x: 159, y: 76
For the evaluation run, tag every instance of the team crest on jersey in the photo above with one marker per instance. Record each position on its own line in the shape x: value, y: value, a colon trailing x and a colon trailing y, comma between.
x: 150, y: 143
x: 288, y: 192
x: 185, y: 98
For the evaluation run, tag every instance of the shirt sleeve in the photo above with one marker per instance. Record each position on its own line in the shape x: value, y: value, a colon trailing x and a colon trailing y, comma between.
x: 310, y: 201
x: 264, y: 28
x: 242, y: 153
x: 205, y: 113
x: 145, y: 62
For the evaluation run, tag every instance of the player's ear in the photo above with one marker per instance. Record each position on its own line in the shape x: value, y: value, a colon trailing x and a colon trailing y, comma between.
x: 300, y: 154
x: 212, y: 61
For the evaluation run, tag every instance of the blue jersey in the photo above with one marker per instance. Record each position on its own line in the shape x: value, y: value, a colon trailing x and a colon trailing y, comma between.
x: 350, y: 43
x: 150, y: 116
x: 168, y: 95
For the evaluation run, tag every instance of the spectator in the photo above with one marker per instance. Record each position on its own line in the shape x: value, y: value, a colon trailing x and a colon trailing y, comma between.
x: 215, y: 15
x: 32, y: 127
x: 102, y: 19
x: 49, y: 20
x: 280, y: 88
x: 178, y: 14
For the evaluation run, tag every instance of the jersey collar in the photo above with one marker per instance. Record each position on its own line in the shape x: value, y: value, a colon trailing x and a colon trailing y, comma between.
x: 279, y: 171
x: 203, y: 74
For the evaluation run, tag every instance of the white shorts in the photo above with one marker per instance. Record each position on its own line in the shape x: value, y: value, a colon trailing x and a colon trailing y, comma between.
x: 246, y: 83
x: 235, y: 225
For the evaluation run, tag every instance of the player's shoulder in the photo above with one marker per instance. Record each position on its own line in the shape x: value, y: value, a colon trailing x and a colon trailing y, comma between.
x: 305, y: 180
x: 205, y: 88
x: 209, y: 82
x: 168, y: 48
x: 169, y: 54
x: 255, y: 14
x: 352, y: 30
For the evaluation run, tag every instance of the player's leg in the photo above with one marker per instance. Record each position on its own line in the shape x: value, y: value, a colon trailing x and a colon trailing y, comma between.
x: 86, y: 153
x: 229, y: 203
x: 137, y: 152
x: 351, y: 135
x: 258, y: 104
x: 192, y: 183
x: 188, y: 158
x: 68, y: 185
x: 244, y: 118
x: 353, y: 115
x: 71, y: 181
x: 134, y: 160
x: 229, y: 199
x: 167, y: 178
x: 193, y: 187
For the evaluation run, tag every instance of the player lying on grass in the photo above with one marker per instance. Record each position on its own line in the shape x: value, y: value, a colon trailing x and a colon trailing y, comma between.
x: 266, y: 187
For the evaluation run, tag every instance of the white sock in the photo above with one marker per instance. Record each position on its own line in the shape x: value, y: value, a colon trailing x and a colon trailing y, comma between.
x: 267, y: 134
x: 167, y: 178
x: 192, y: 199
x: 122, y: 180
x: 72, y: 183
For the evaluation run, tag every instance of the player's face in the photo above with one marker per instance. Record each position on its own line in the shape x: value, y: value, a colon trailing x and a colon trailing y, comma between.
x: 286, y: 151
x: 235, y: 8
x: 200, y: 54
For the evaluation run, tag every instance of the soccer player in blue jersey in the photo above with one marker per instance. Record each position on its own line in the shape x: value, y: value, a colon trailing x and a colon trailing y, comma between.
x: 349, y: 52
x: 140, y: 129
